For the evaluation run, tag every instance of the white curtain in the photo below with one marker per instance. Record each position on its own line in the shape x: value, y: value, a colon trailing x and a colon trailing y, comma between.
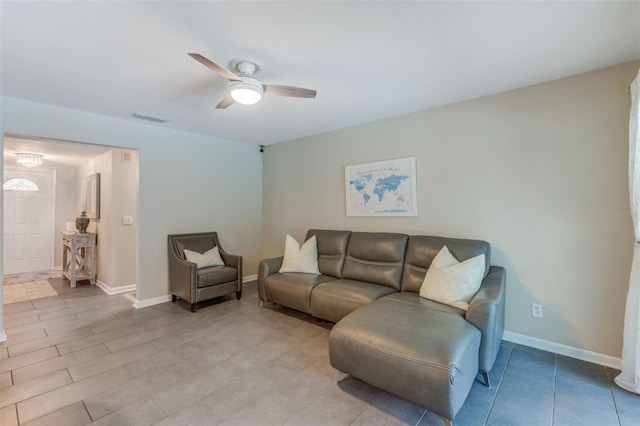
x: 629, y: 378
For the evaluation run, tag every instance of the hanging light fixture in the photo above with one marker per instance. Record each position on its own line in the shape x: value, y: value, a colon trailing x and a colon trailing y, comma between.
x: 29, y: 160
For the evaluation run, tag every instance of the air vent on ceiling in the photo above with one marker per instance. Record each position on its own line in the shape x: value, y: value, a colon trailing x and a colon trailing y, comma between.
x: 148, y: 117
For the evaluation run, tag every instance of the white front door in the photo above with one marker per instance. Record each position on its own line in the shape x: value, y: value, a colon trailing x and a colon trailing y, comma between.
x: 28, y: 220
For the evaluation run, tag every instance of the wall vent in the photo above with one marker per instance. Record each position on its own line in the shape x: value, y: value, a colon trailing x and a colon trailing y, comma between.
x: 148, y: 117
x: 127, y: 156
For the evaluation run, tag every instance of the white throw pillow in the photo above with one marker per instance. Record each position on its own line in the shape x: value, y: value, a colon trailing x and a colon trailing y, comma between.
x: 202, y: 260
x: 451, y: 282
x: 300, y: 259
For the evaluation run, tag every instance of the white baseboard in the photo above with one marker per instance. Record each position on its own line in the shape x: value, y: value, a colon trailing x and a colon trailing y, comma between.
x: 570, y: 351
x: 115, y: 290
x: 3, y: 336
x: 139, y: 304
x: 57, y: 268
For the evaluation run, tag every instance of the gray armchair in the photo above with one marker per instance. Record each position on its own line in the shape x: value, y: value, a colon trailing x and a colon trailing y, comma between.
x: 195, y: 285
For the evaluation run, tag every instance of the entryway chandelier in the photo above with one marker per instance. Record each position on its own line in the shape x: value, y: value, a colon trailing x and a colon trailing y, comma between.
x: 29, y: 160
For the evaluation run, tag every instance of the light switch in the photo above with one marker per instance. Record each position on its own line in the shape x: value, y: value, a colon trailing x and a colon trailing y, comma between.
x: 127, y: 220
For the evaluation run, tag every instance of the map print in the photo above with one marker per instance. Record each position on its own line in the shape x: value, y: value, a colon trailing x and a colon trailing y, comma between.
x: 385, y: 188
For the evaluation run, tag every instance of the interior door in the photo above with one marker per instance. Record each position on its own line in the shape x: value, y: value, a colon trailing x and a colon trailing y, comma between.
x: 28, y: 220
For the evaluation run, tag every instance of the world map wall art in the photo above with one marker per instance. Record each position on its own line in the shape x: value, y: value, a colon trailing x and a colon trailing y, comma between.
x: 384, y: 188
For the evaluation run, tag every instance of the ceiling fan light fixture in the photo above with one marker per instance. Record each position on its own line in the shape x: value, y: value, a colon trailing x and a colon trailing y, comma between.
x: 245, y: 89
x: 247, y: 92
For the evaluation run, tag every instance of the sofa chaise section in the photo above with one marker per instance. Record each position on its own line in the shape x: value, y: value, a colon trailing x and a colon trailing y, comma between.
x: 486, y: 309
x: 419, y: 350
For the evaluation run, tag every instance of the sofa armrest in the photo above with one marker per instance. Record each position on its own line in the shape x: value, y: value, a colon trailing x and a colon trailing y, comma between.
x: 486, y: 312
x: 182, y: 278
x: 233, y: 261
x: 230, y: 259
x: 266, y: 268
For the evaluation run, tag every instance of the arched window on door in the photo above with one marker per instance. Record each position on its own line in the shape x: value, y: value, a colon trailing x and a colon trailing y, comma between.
x: 20, y: 184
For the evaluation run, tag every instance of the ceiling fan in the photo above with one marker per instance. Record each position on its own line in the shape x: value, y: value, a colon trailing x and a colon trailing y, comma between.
x: 246, y: 89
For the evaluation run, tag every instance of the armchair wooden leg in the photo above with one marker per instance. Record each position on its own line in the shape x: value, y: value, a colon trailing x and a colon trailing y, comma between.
x: 193, y: 307
x: 238, y: 294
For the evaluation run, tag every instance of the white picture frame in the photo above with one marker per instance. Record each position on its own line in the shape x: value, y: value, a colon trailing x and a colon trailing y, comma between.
x: 91, y: 196
x: 383, y: 188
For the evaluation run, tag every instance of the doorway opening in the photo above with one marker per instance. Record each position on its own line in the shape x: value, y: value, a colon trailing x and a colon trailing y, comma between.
x: 43, y: 202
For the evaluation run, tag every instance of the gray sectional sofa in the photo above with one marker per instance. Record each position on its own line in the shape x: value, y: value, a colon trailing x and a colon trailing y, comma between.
x: 385, y: 333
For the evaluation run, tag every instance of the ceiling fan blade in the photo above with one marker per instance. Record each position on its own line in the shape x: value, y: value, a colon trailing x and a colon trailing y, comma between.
x: 294, y: 92
x: 225, y: 102
x: 215, y: 67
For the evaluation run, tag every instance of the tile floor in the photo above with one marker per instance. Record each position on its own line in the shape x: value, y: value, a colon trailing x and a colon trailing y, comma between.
x: 29, y: 286
x: 83, y: 357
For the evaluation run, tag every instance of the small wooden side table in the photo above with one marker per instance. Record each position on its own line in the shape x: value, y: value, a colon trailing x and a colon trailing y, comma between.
x: 79, y: 257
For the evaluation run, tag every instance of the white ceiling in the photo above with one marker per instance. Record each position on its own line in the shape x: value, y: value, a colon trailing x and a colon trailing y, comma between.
x: 367, y: 60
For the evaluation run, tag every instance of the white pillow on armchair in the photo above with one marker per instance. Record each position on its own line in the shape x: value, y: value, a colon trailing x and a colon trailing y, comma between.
x: 210, y: 257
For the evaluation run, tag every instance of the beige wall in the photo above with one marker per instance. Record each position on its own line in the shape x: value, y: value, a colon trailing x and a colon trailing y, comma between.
x: 116, y: 247
x: 124, y: 191
x: 539, y: 172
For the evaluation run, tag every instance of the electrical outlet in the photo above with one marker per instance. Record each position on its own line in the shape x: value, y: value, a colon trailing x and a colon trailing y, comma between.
x: 127, y: 220
x: 536, y: 310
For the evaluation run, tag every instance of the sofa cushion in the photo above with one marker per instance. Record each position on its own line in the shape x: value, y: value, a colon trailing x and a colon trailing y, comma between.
x: 335, y: 299
x: 292, y: 289
x: 214, y: 275
x: 332, y: 246
x: 398, y: 344
x: 300, y: 259
x: 422, y: 249
x: 414, y: 299
x: 376, y: 258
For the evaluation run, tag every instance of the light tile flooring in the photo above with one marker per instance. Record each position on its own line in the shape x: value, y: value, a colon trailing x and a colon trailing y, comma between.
x: 83, y: 357
x: 29, y: 286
